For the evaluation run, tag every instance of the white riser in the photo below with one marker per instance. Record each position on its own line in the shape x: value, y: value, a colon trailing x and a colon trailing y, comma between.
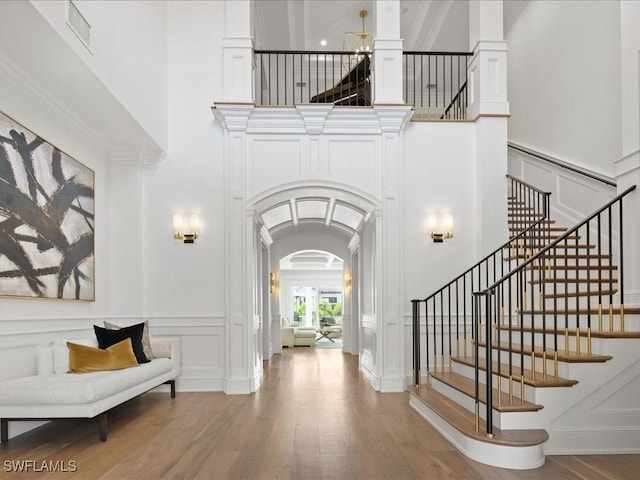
x: 502, y: 420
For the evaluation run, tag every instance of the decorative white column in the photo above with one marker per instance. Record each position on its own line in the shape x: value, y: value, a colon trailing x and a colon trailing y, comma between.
x: 488, y: 106
x: 387, y: 54
x: 240, y: 346
x: 237, y: 46
x: 488, y: 67
x: 388, y: 252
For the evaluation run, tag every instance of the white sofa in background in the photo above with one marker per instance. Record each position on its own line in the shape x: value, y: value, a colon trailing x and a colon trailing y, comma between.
x: 54, y: 393
x: 297, y: 336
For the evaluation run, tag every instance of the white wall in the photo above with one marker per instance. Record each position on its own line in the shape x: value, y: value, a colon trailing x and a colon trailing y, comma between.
x: 630, y: 59
x: 141, y: 272
x: 128, y: 52
x: 564, y: 81
x: 184, y: 289
x: 439, y: 176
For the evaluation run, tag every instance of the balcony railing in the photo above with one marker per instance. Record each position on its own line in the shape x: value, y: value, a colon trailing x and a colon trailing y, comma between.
x: 435, y: 83
x: 289, y: 78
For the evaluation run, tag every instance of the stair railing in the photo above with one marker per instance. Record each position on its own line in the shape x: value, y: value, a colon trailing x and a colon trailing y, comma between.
x: 448, y: 307
x: 564, y: 309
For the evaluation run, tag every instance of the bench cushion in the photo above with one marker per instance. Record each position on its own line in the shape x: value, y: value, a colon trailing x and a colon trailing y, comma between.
x: 71, y: 388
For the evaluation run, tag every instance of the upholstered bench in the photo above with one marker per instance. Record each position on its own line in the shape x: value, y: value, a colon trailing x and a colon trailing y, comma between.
x: 55, y: 394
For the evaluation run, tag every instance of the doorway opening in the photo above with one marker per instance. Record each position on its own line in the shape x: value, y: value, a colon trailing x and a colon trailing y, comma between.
x: 311, y: 296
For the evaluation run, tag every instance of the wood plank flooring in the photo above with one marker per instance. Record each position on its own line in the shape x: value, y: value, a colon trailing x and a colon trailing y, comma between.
x: 315, y: 417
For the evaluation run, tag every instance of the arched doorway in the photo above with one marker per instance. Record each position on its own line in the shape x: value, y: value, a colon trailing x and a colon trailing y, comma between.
x: 332, y: 226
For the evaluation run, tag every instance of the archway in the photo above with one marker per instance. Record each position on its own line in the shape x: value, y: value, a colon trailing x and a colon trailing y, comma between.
x: 335, y: 222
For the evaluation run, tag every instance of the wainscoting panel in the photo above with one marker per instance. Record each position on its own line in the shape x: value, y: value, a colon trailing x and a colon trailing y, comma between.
x: 368, y: 356
x: 356, y: 162
x: 573, y: 195
x: 273, y: 160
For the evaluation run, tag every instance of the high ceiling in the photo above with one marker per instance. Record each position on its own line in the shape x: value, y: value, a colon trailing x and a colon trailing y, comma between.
x: 425, y: 25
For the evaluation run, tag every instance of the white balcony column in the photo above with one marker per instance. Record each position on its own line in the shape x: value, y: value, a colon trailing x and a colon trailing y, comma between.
x: 237, y: 46
x: 387, y: 53
x: 488, y: 107
x: 487, y: 81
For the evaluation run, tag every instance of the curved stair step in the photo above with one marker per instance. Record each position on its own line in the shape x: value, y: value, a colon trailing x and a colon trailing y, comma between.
x: 465, y: 422
x: 566, y: 357
x: 466, y: 386
x: 532, y: 379
x: 583, y: 332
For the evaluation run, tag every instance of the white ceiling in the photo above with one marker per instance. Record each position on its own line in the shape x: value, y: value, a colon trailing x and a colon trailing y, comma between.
x: 425, y: 25
x: 311, y: 260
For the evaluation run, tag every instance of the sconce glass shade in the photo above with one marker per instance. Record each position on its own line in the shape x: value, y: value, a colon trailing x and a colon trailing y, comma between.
x: 186, y: 229
x: 447, y: 222
x: 347, y: 281
x: 440, y: 227
x: 432, y: 222
x: 272, y: 282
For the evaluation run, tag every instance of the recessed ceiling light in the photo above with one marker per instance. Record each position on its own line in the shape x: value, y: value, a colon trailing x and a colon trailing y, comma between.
x: 323, y: 42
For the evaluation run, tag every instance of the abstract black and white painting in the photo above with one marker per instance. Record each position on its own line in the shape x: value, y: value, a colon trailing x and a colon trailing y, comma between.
x: 46, y: 219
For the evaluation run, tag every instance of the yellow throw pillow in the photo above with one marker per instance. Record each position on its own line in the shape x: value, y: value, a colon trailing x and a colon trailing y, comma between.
x: 84, y: 359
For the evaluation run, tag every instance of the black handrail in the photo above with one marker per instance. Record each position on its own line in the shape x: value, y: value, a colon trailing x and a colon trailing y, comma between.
x: 560, y: 164
x: 562, y: 238
x: 463, y: 88
x: 559, y: 248
x: 473, y: 279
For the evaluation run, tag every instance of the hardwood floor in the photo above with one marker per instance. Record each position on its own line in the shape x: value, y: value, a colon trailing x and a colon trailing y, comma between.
x: 315, y: 417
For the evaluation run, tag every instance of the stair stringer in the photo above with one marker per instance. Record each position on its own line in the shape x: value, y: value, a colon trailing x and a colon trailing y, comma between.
x: 604, y: 419
x: 559, y: 402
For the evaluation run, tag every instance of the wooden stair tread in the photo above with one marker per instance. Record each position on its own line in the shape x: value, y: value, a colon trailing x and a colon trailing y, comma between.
x: 583, y: 332
x: 563, y: 246
x: 569, y: 256
x: 590, y: 293
x: 534, y: 380
x: 464, y: 421
x: 576, y: 267
x: 570, y: 357
x: 593, y: 279
x: 466, y: 386
x: 545, y: 229
x: 585, y: 311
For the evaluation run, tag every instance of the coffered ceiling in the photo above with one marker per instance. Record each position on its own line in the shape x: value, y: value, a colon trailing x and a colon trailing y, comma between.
x: 330, y: 212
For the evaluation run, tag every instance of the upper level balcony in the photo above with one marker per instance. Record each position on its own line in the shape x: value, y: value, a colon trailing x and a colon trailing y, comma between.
x: 434, y: 83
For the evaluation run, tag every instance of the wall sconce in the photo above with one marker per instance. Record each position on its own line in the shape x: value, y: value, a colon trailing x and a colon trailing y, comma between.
x: 186, y: 228
x: 347, y: 281
x: 440, y: 227
x: 272, y: 282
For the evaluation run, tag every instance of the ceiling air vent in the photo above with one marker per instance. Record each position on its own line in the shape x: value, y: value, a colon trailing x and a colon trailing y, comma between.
x: 79, y: 24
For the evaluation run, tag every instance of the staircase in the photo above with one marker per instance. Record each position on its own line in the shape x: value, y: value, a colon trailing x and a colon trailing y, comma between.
x: 546, y: 306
